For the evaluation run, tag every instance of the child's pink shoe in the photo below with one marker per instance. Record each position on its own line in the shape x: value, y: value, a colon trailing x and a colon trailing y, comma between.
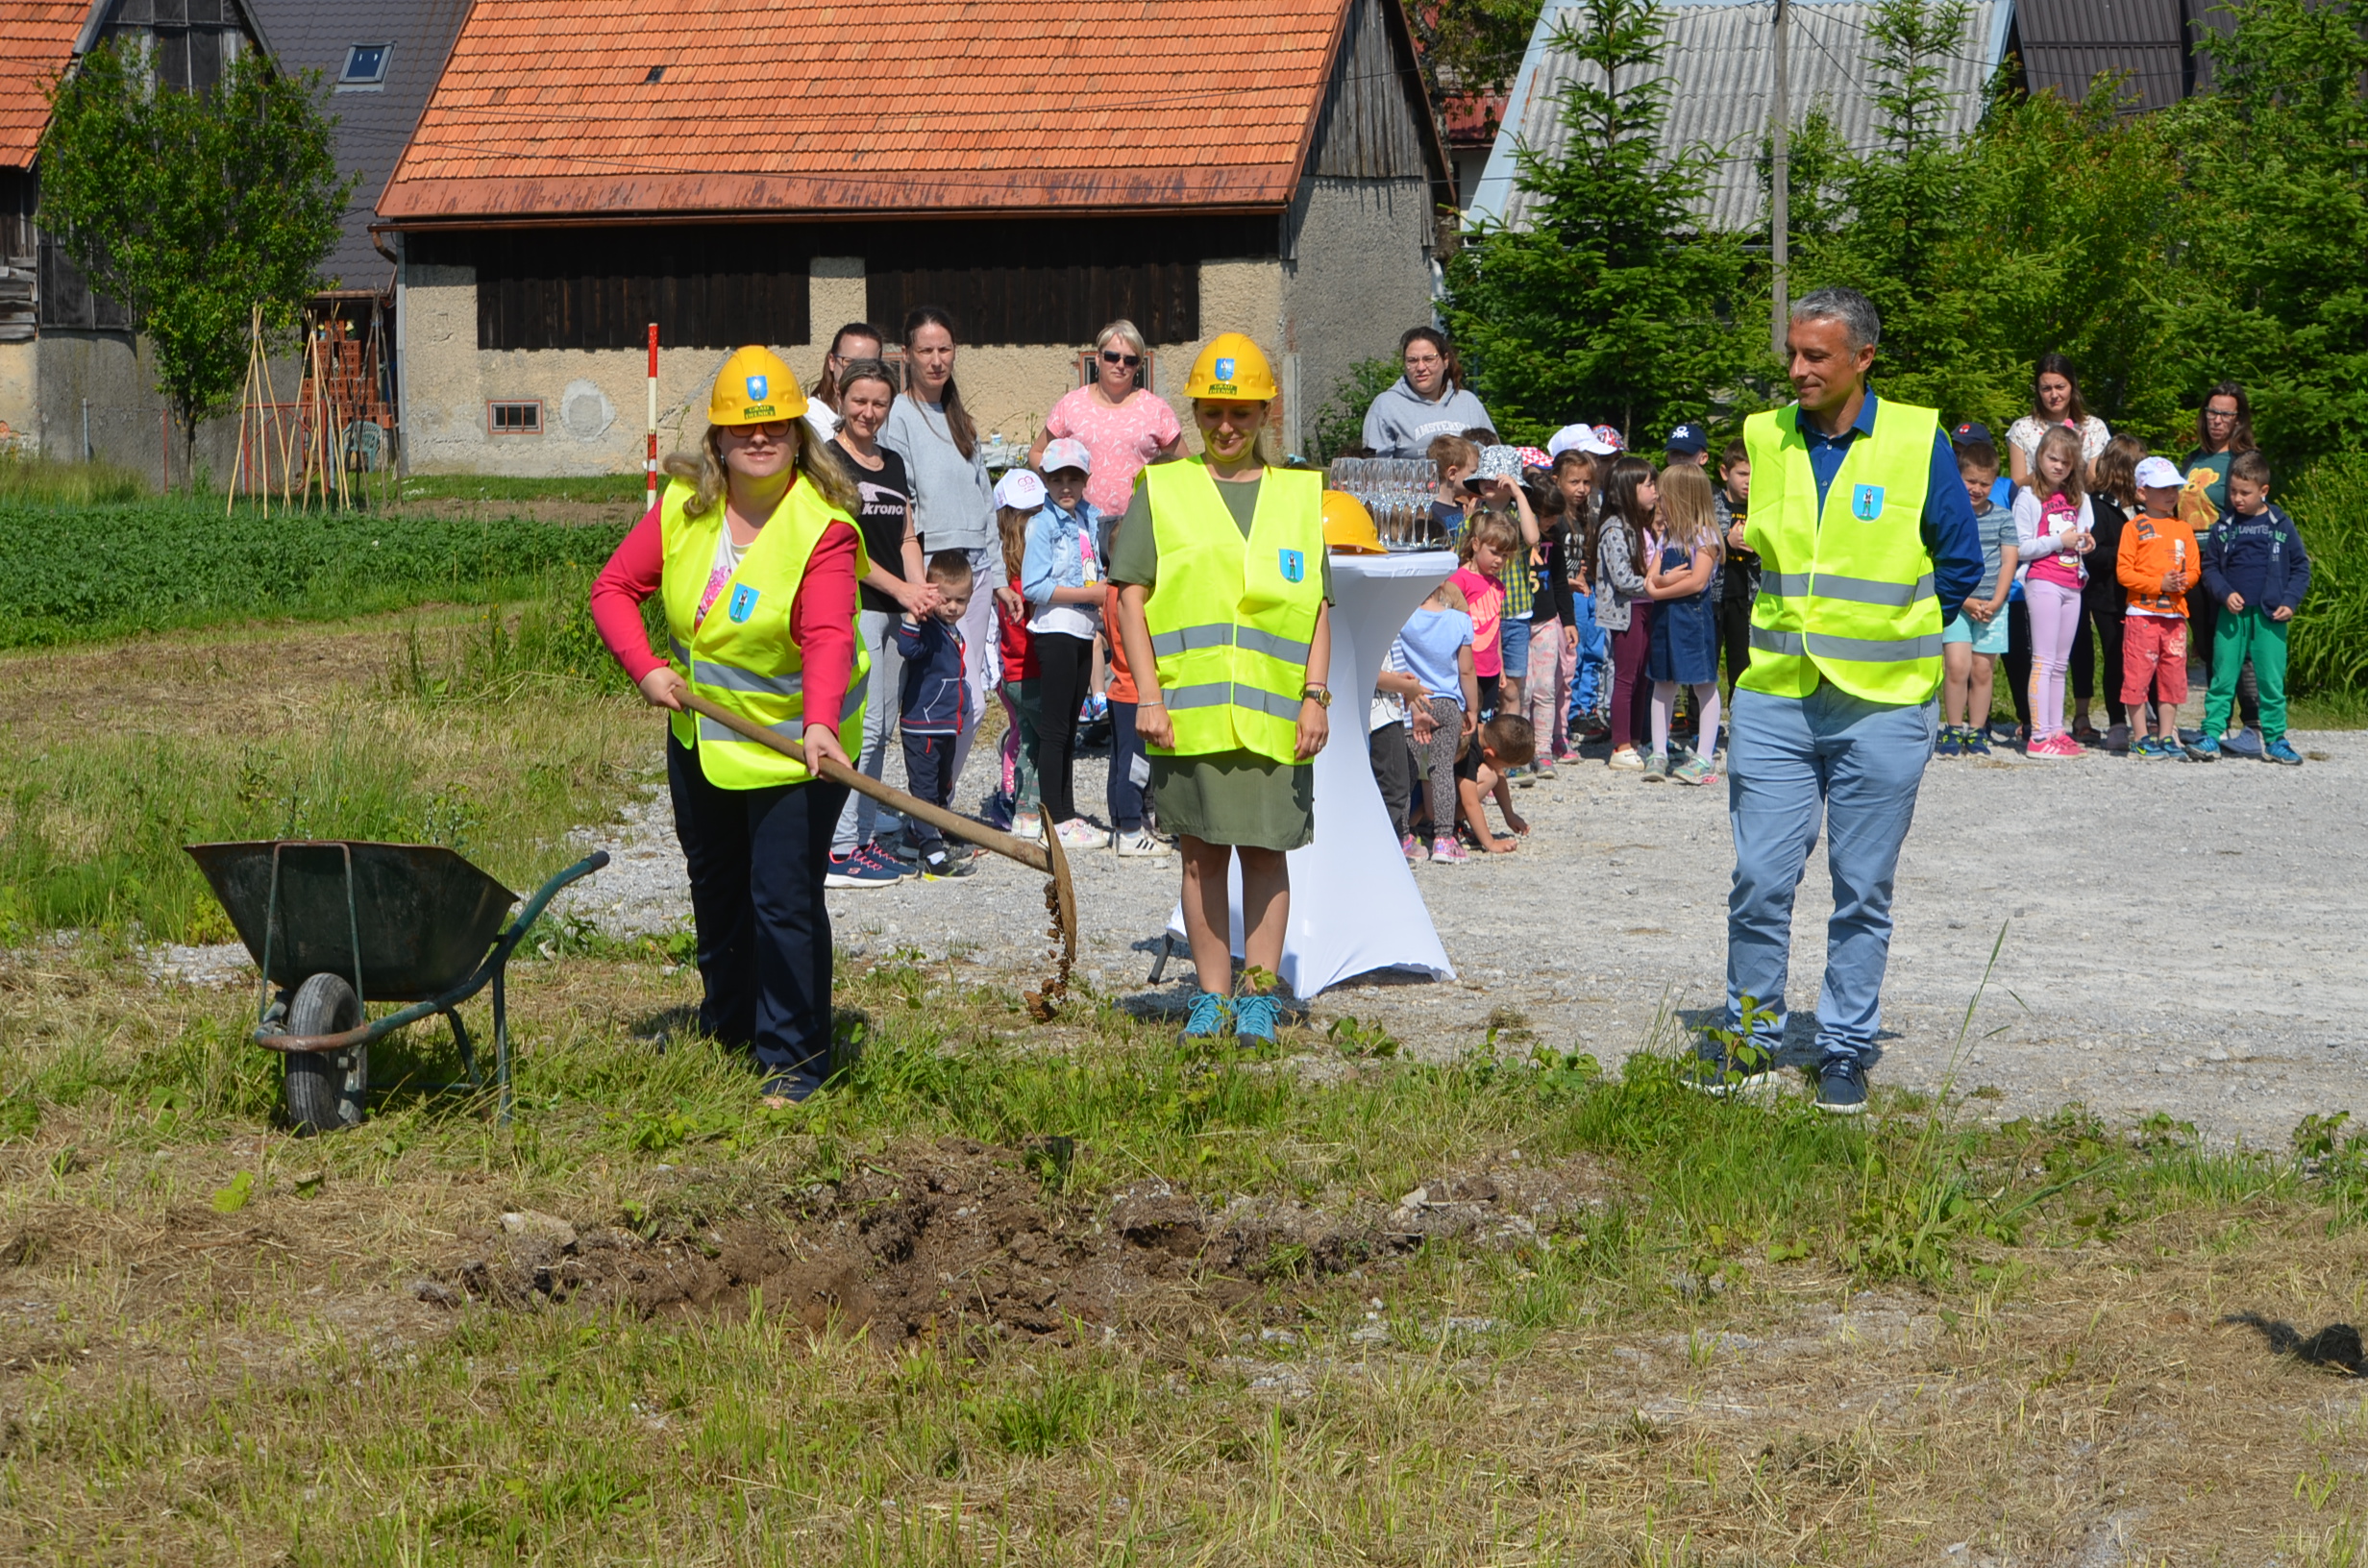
x: 1448, y: 851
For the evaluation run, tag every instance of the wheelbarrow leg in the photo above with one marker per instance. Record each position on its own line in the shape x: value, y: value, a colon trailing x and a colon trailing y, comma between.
x: 500, y: 1039
x: 461, y: 1037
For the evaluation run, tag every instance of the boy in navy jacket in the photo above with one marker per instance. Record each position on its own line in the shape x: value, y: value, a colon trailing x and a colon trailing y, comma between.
x: 2255, y: 565
x: 934, y: 703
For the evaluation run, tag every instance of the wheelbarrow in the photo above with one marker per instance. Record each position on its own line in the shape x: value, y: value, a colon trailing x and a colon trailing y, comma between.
x: 334, y: 924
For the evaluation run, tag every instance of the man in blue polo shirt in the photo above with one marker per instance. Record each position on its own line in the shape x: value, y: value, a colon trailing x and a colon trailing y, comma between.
x: 1867, y: 547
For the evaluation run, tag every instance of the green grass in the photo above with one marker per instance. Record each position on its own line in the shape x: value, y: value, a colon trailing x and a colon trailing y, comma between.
x: 2329, y: 653
x: 49, y: 482
x: 79, y: 574
x: 600, y: 488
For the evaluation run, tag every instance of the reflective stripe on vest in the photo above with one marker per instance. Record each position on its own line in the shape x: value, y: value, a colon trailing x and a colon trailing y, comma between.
x: 1232, y: 618
x: 741, y: 656
x: 1845, y: 591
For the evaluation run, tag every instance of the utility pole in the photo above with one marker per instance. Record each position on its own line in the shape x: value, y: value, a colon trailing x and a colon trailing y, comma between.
x: 1780, y: 212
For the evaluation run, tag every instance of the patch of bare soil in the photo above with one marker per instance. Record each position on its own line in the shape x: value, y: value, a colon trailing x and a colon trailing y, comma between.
x: 957, y: 1231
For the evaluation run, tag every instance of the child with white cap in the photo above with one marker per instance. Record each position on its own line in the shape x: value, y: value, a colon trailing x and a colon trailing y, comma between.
x: 1063, y: 582
x: 2158, y: 562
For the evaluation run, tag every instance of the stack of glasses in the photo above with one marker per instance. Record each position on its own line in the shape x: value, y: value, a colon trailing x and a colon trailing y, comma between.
x: 1398, y: 491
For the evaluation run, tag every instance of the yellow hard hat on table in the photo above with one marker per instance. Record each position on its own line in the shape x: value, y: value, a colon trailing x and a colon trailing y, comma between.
x: 1232, y: 366
x: 1347, y: 526
x: 754, y: 387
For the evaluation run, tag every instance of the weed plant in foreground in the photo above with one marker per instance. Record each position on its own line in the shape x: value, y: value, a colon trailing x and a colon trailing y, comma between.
x: 1728, y: 1332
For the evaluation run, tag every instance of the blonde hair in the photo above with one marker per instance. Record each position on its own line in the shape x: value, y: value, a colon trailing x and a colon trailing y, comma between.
x: 1493, y: 527
x: 1687, y: 517
x: 1011, y: 523
x: 809, y: 455
x: 1120, y: 330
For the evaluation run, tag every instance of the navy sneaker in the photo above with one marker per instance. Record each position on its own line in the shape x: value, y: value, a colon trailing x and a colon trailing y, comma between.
x: 1842, y: 1086
x: 1949, y: 745
x: 2242, y: 743
x: 1254, y: 1018
x: 2281, y: 753
x: 1977, y: 743
x: 2146, y: 748
x: 1211, y: 1017
x: 860, y: 868
x: 1718, y: 1069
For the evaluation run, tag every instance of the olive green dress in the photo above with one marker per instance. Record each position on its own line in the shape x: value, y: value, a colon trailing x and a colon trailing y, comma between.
x: 1233, y: 798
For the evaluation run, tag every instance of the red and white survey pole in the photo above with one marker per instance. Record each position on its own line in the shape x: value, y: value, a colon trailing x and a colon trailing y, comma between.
x: 652, y: 462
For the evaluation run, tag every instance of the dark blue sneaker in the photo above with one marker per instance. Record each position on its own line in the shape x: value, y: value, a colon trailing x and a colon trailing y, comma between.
x: 1977, y: 743
x: 2281, y: 753
x: 1211, y: 1018
x: 1842, y: 1086
x: 860, y: 868
x: 1720, y: 1068
x: 2242, y: 743
x: 1948, y: 745
x: 1254, y: 1018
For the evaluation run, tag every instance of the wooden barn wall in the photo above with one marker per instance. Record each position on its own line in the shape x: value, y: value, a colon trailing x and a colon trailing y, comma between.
x: 711, y: 288
x: 1003, y: 281
x: 1025, y: 282
x: 1366, y: 127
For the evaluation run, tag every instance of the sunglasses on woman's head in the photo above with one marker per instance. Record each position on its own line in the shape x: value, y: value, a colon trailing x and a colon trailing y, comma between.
x: 1129, y: 360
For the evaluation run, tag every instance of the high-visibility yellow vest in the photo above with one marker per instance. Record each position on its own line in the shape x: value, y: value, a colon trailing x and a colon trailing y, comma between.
x: 1846, y: 597
x: 742, y: 656
x: 1230, y: 617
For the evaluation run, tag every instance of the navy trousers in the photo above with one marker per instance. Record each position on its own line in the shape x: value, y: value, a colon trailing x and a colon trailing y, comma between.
x: 756, y: 860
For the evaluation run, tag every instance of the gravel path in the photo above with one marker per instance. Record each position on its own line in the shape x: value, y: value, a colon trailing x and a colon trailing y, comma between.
x: 2189, y: 941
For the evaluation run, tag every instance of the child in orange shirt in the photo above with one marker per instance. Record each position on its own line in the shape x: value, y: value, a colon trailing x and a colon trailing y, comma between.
x: 2157, y: 563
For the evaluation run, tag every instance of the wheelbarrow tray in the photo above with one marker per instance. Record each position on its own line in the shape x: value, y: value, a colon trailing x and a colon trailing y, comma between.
x: 422, y: 915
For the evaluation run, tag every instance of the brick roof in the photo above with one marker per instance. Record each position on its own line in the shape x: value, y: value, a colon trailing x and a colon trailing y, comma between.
x: 545, y: 108
x: 37, y: 40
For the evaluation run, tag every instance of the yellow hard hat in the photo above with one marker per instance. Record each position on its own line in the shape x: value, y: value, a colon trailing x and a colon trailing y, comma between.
x: 1231, y: 367
x: 1347, y: 526
x: 753, y: 388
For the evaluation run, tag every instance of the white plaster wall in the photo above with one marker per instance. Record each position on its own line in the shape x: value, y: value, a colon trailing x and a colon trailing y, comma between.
x: 127, y: 424
x: 20, y: 409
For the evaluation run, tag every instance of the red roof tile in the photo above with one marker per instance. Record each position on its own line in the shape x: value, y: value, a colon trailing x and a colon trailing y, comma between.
x: 894, y: 105
x: 36, y: 41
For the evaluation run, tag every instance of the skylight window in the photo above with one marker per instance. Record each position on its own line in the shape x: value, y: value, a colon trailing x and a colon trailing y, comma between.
x: 366, y: 65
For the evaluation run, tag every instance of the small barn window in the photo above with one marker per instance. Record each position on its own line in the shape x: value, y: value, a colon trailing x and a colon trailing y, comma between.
x: 366, y: 65
x: 522, y: 417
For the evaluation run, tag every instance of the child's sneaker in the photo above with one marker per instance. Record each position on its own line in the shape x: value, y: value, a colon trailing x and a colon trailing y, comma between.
x: 2241, y: 743
x: 1254, y: 1018
x: 941, y: 864
x: 1627, y: 760
x: 1144, y: 842
x: 1951, y: 743
x: 1028, y: 826
x: 1977, y: 743
x: 1077, y: 833
x: 1449, y: 852
x: 861, y: 868
x: 2203, y: 749
x: 2117, y: 739
x: 1657, y: 767
x: 998, y: 811
x: 2281, y: 753
x: 1212, y: 1017
x: 1693, y: 770
x: 1542, y: 769
x: 1412, y: 849
x: 2146, y: 748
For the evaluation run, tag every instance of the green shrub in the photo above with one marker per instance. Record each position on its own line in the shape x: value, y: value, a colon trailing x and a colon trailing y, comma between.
x: 2330, y: 506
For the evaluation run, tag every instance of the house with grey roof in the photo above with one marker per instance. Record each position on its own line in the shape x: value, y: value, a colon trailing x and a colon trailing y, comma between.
x: 1721, y: 66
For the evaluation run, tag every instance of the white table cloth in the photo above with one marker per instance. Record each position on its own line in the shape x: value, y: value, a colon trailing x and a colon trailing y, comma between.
x: 1354, y: 906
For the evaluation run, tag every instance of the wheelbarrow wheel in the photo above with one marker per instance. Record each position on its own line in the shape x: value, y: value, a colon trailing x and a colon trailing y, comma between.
x: 325, y: 1089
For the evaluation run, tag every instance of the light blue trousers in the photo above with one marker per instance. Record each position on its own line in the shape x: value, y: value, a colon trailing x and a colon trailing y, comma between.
x: 1795, y: 762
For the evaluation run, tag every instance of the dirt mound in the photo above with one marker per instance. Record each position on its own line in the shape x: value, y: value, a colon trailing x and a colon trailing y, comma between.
x: 960, y: 1231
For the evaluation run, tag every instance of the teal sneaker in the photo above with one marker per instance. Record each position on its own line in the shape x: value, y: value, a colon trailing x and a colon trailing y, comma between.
x: 1254, y: 1018
x: 2203, y: 748
x: 1212, y: 1017
x: 2281, y: 753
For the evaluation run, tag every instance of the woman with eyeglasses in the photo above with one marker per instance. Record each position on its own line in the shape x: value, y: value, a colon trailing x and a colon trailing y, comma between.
x: 1124, y: 427
x: 755, y: 552
x: 2223, y: 429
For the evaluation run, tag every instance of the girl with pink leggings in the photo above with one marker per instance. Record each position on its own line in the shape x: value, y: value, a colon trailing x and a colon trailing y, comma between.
x: 2054, y: 534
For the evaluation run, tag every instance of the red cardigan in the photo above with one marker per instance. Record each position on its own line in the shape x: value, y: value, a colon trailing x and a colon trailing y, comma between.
x: 822, y: 616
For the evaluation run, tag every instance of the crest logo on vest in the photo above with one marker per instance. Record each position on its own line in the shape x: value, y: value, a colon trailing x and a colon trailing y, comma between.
x: 1866, y: 503
x: 742, y: 603
x: 1295, y: 565
x: 756, y: 388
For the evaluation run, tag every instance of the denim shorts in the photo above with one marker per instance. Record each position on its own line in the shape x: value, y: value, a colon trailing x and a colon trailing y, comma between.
x: 1985, y: 639
x: 1514, y: 635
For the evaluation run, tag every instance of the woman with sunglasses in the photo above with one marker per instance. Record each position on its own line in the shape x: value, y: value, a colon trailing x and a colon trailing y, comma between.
x: 1123, y: 424
x: 755, y: 552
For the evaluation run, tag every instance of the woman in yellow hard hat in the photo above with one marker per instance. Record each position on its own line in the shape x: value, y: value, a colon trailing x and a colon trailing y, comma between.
x: 1223, y: 599
x: 755, y: 553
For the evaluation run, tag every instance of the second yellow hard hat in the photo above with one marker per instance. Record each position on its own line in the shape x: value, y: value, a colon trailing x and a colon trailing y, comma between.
x: 753, y: 388
x: 1232, y: 366
x: 1347, y: 526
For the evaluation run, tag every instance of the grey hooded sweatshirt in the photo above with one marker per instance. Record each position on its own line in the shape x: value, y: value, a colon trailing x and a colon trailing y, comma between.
x: 1404, y: 423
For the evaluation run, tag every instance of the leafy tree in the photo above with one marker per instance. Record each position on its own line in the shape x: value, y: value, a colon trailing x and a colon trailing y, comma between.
x: 191, y: 210
x: 2275, y: 225
x: 1341, y: 423
x: 1470, y: 48
x: 1608, y: 304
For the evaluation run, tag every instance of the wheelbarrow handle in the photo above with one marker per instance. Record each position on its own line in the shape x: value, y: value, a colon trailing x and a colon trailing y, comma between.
x: 550, y: 890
